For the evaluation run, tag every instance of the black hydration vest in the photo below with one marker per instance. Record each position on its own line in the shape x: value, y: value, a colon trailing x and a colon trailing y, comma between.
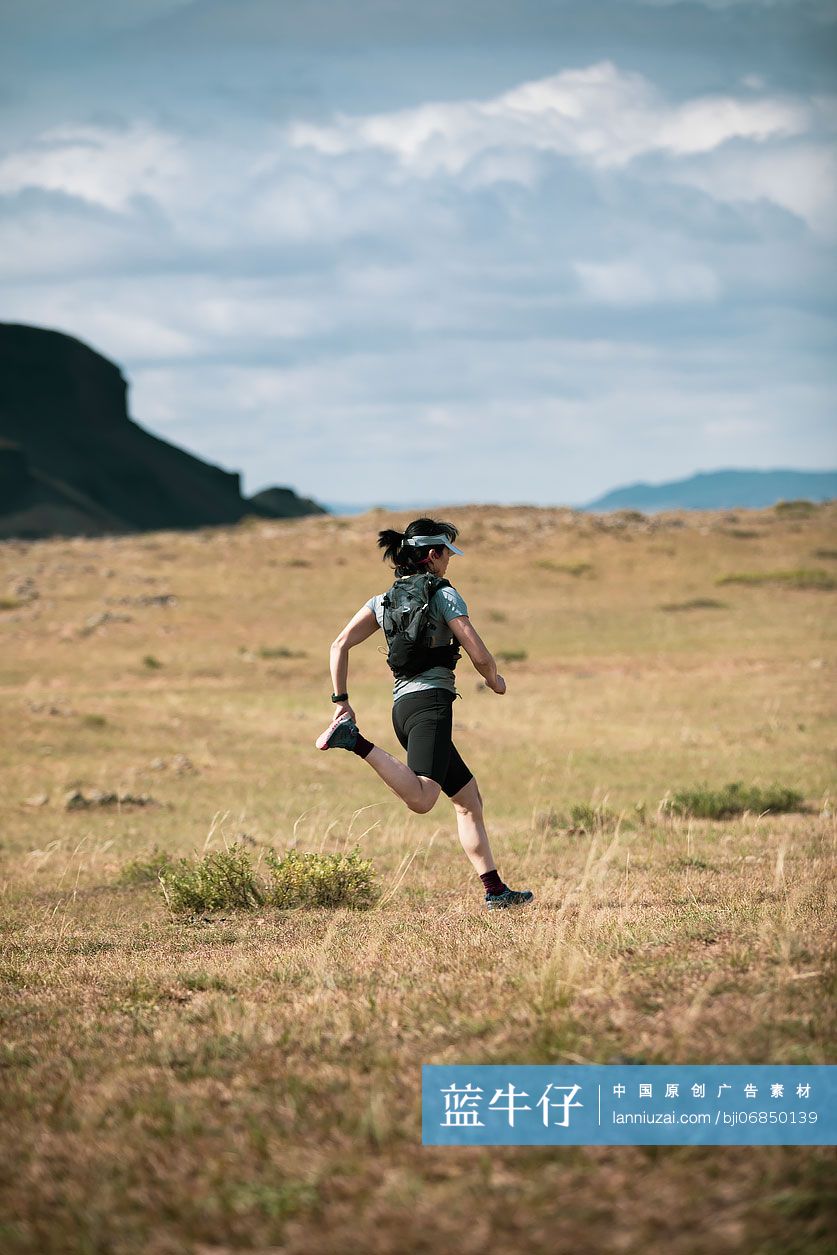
x: 406, y: 624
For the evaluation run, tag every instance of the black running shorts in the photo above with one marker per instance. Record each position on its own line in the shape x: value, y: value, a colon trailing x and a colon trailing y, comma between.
x: 423, y: 723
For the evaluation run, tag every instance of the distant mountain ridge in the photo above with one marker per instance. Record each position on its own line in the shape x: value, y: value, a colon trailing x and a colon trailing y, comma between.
x: 721, y: 490
x: 73, y: 463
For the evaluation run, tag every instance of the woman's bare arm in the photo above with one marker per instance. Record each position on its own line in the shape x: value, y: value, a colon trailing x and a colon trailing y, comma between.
x: 479, y: 653
x: 358, y: 629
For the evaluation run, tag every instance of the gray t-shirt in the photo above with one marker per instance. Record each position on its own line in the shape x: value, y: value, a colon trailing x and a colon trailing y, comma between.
x: 445, y: 605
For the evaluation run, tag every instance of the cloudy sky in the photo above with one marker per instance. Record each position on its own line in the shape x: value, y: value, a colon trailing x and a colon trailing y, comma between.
x: 459, y: 250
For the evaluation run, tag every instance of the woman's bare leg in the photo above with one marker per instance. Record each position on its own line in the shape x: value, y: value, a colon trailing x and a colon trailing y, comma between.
x: 471, y: 827
x: 420, y: 793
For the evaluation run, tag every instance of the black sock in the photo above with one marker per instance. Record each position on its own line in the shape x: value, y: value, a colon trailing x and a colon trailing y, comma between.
x: 492, y: 881
x: 361, y: 746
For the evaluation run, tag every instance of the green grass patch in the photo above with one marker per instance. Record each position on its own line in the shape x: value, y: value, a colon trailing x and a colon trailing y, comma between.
x: 825, y: 553
x: 227, y: 880
x: 151, y: 663
x: 220, y: 880
x: 321, y: 880
x: 803, y: 577
x: 145, y: 869
x: 275, y: 1200
x: 93, y: 721
x: 732, y: 799
x: 696, y: 603
x: 139, y: 994
x: 512, y: 655
x: 203, y: 982
x: 10, y: 603
x: 586, y: 818
x: 281, y: 651
x: 795, y: 507
x: 575, y: 569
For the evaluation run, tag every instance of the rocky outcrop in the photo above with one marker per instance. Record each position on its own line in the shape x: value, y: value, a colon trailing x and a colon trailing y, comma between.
x: 72, y: 461
x: 33, y: 504
x: 283, y: 503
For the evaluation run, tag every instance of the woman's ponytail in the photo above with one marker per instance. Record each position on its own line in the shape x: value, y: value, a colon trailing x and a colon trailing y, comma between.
x: 391, y: 542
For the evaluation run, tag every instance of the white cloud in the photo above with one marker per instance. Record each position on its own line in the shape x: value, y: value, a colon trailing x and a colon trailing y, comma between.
x: 699, y: 126
x: 159, y: 318
x: 600, y: 114
x: 106, y: 167
x: 736, y: 148
x: 101, y: 316
x: 535, y: 287
x: 801, y: 179
x: 629, y: 412
x: 633, y: 282
x: 360, y: 176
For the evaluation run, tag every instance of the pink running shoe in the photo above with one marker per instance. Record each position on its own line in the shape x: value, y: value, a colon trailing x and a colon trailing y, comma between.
x: 341, y: 734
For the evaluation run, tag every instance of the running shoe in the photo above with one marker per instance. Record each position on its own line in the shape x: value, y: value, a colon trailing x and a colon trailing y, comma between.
x: 341, y: 734
x: 509, y: 897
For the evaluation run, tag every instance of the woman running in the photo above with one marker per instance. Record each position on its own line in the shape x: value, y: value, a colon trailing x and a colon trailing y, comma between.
x: 425, y: 621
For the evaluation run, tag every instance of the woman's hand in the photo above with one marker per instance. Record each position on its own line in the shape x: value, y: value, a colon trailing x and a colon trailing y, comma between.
x: 341, y: 709
x: 479, y: 653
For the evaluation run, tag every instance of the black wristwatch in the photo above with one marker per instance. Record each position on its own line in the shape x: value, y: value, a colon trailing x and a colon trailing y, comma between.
x: 339, y: 697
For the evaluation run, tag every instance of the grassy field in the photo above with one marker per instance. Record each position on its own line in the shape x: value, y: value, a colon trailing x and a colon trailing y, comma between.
x: 251, y: 1080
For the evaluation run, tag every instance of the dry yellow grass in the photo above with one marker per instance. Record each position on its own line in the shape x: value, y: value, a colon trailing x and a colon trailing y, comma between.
x: 252, y: 1081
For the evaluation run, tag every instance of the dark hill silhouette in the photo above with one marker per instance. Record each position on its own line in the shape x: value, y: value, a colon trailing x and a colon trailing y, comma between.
x: 283, y: 503
x: 72, y: 462
x: 722, y: 490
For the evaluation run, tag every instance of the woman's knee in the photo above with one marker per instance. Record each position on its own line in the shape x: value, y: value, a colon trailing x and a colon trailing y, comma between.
x: 469, y: 799
x: 428, y: 797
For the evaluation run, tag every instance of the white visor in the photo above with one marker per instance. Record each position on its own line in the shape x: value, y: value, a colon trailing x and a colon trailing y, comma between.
x: 421, y: 541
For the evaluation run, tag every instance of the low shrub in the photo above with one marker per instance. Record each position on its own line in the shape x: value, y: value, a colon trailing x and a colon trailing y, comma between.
x: 10, y: 603
x: 586, y: 818
x: 281, y: 651
x: 145, y: 870
x: 226, y: 880
x: 222, y: 879
x: 203, y: 982
x: 696, y: 603
x: 512, y: 655
x: 151, y: 663
x: 813, y: 577
x: 321, y: 880
x: 575, y: 569
x: 732, y: 799
x: 795, y: 507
